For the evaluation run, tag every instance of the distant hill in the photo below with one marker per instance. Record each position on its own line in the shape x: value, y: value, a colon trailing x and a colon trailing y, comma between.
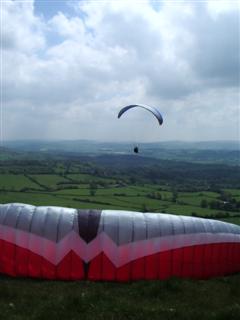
x: 202, y: 151
x: 7, y: 153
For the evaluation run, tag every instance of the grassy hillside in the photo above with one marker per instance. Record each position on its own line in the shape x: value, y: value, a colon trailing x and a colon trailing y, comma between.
x: 22, y: 299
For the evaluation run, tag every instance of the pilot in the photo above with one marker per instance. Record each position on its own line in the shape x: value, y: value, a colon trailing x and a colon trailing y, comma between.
x: 135, y: 149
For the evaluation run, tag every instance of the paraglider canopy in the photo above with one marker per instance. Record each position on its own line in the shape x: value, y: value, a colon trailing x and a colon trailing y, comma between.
x: 153, y: 110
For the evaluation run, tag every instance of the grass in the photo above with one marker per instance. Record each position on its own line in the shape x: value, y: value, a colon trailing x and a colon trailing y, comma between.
x: 49, y: 180
x: 195, y: 198
x: 16, y: 182
x: 170, y: 299
x: 86, y: 178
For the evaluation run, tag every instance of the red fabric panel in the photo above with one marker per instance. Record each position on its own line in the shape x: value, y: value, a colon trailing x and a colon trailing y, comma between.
x: 76, y: 267
x: 70, y: 268
x: 48, y: 270
x: 202, y: 261
x: 177, y: 258
x: 165, y: 264
x: 151, y: 267
x: 17, y: 261
x: 187, y: 267
x: 123, y: 273
x: 108, y: 269
x: 63, y: 269
x: 8, y: 258
x: 95, y: 268
x: 34, y: 265
x: 137, y: 271
x: 22, y: 261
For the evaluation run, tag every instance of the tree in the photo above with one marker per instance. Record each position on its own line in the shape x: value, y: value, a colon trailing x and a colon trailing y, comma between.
x: 92, y: 188
x: 204, y: 203
x: 159, y: 196
x: 174, y: 196
x: 144, y: 208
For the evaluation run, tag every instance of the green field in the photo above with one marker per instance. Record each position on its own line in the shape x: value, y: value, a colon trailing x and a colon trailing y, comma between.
x: 74, y: 190
x: 16, y: 182
x: 49, y: 180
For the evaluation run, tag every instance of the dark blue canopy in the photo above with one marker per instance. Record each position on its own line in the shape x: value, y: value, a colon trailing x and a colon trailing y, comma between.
x: 153, y: 110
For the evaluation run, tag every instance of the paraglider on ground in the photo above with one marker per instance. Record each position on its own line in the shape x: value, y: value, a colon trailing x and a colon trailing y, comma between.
x: 73, y: 244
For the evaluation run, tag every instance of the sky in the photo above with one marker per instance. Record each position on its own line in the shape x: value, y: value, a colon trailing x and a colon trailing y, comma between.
x: 68, y: 67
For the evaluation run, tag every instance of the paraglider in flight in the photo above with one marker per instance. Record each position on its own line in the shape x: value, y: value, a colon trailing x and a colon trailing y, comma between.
x: 153, y: 110
x: 74, y: 244
x: 135, y: 149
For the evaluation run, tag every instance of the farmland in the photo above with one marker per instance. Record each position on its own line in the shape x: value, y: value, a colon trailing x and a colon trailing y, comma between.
x: 81, y: 190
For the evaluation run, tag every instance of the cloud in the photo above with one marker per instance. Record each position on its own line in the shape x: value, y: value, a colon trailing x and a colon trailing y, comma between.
x: 22, y: 31
x: 68, y: 75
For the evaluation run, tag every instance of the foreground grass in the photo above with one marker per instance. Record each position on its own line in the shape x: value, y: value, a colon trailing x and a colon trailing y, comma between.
x: 172, y: 299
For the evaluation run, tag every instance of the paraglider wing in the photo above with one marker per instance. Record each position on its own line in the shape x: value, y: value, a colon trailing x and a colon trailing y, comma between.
x: 74, y: 244
x: 153, y: 110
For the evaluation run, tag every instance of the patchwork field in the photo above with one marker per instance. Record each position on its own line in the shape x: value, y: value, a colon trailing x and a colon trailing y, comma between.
x: 89, y: 191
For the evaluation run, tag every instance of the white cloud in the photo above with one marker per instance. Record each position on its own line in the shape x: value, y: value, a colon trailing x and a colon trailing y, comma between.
x: 222, y: 7
x: 68, y: 76
x: 22, y: 31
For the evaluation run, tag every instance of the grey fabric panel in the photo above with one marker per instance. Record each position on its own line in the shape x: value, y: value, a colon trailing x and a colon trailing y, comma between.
x: 3, y: 212
x: 189, y: 224
x: 109, y: 224
x: 153, y: 225
x: 234, y: 228
x: 125, y: 228
x: 177, y: 224
x: 207, y: 226
x: 37, y: 226
x: 25, y: 218
x: 150, y: 225
x: 66, y: 223
x: 166, y: 225
x: 202, y: 225
x: 51, y: 223
x: 218, y: 226
x: 140, y: 226
x: 58, y: 222
x: 12, y: 215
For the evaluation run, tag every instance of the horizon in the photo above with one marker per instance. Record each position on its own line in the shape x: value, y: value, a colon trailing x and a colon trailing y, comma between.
x: 113, y: 141
x: 235, y: 143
